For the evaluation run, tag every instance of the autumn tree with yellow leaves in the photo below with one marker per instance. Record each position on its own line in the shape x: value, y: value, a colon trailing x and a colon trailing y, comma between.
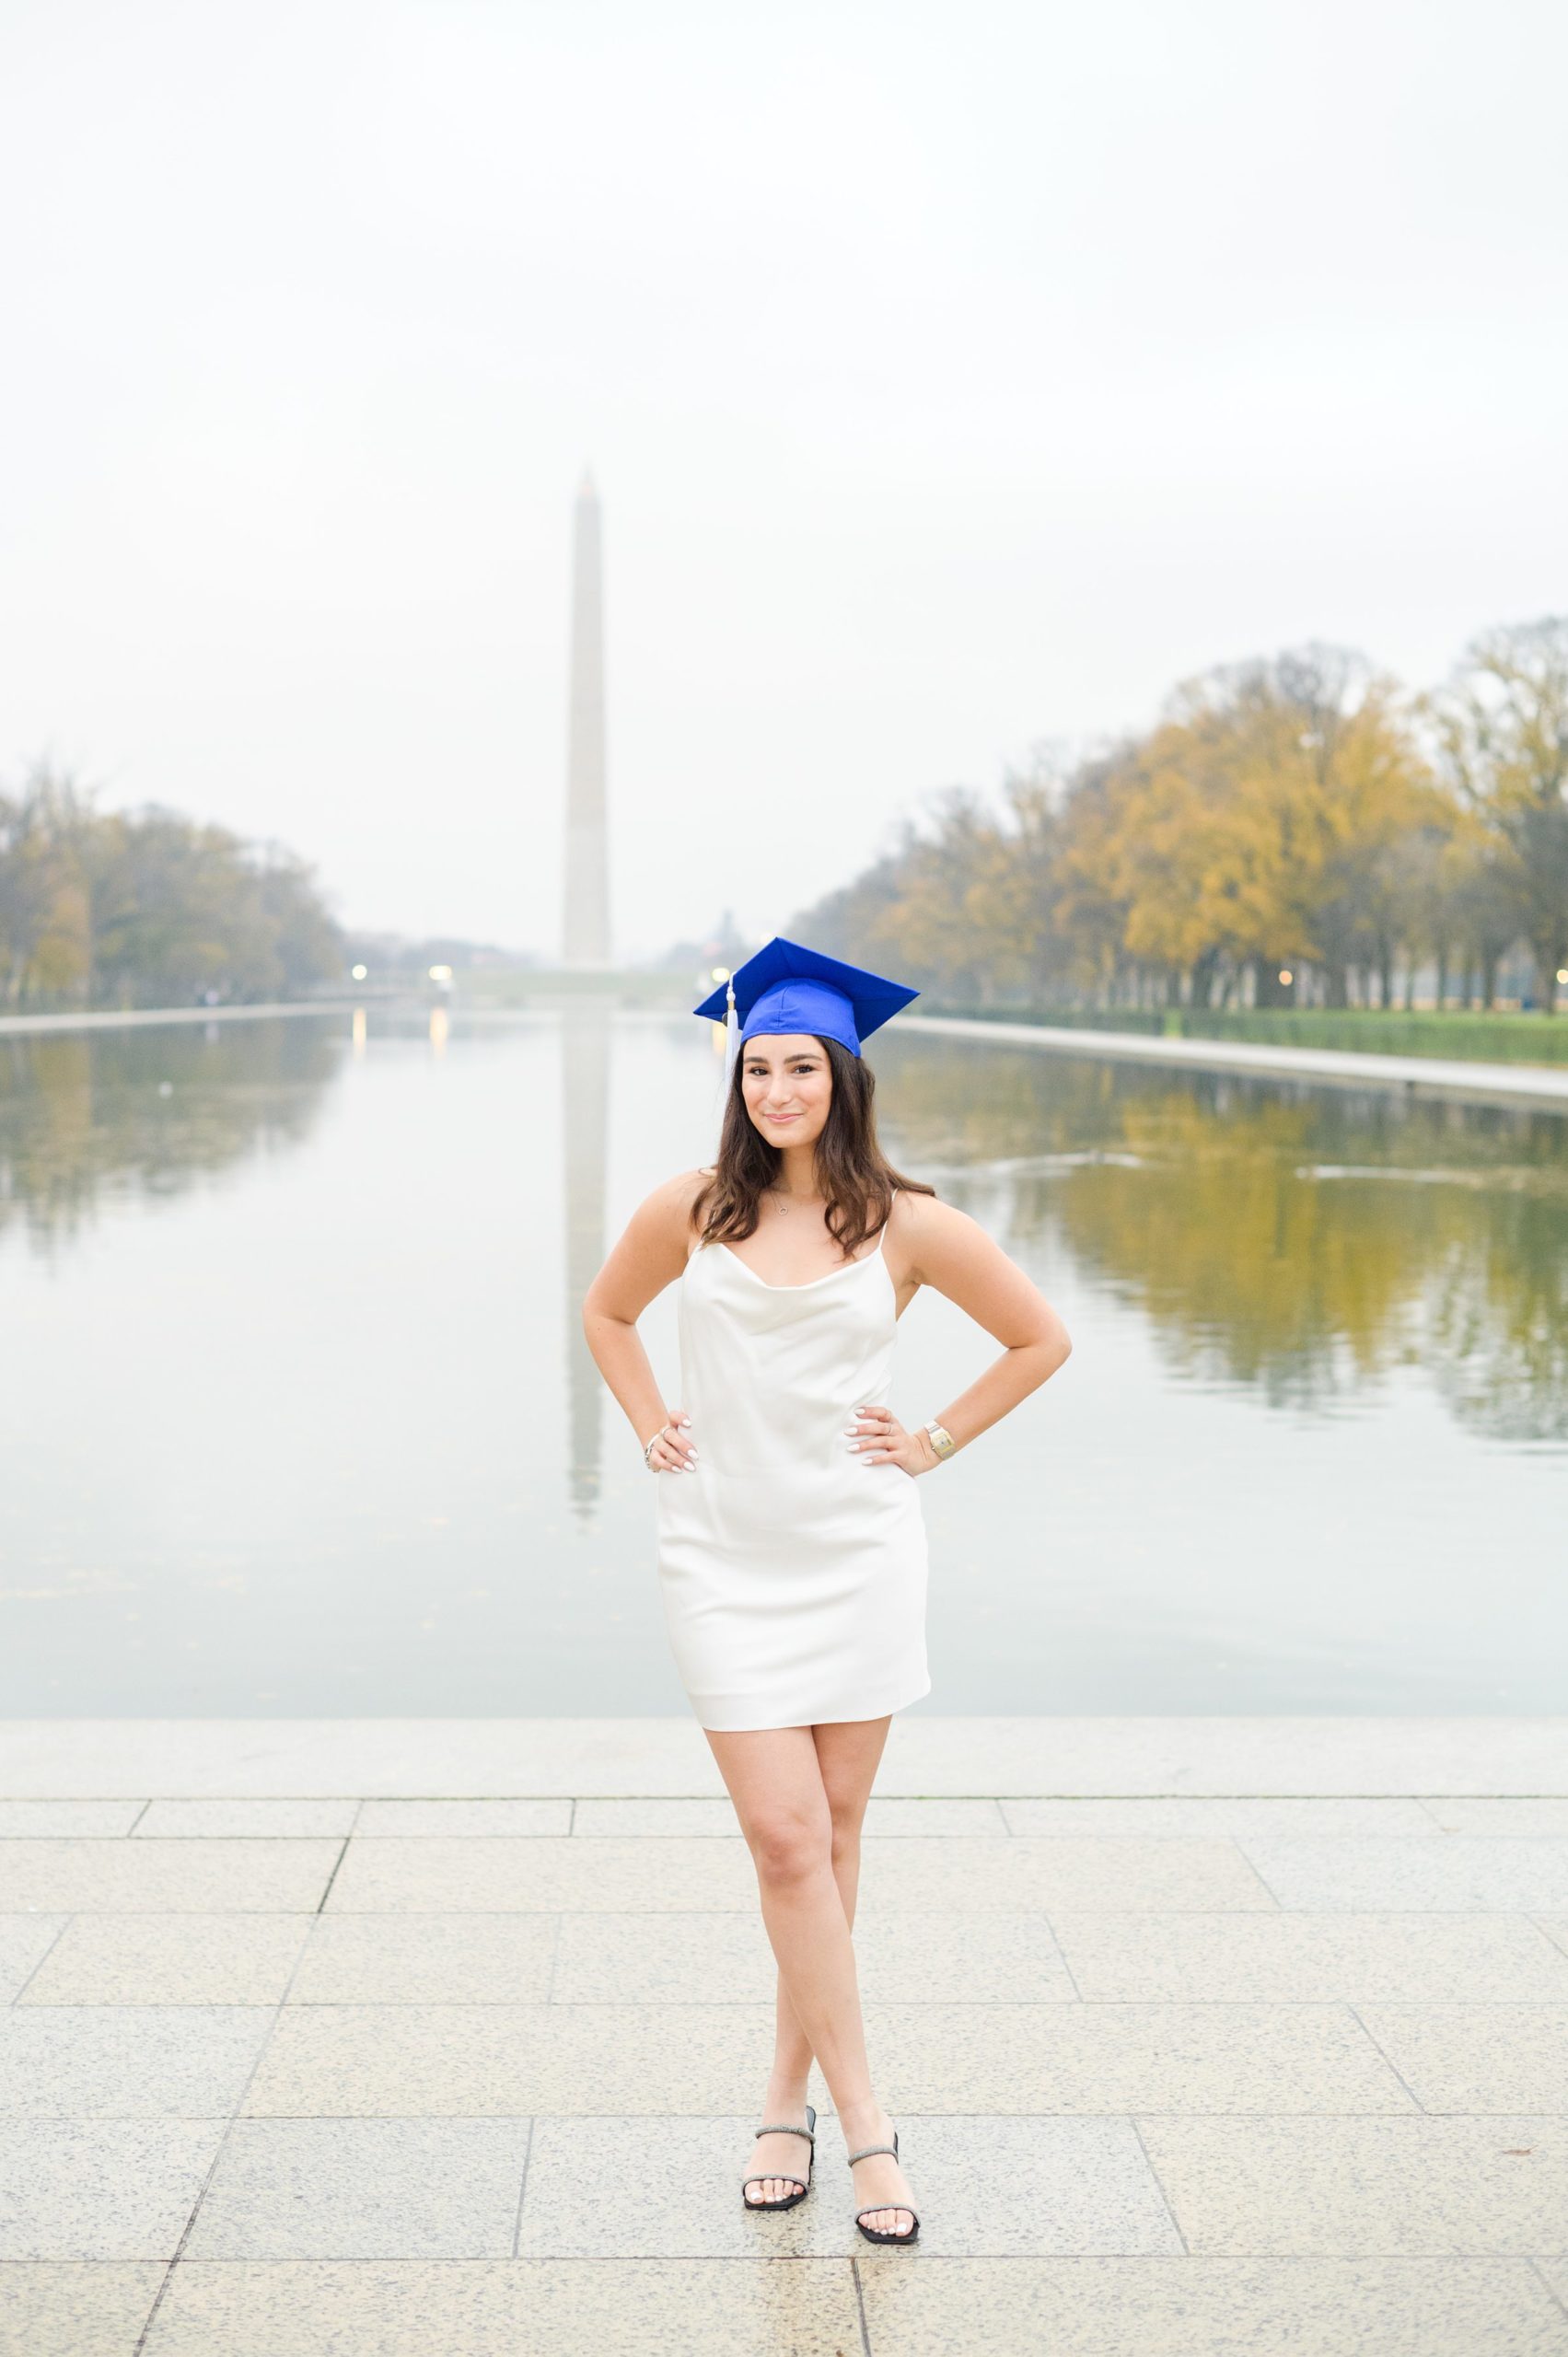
x: 146, y: 908
x: 1300, y: 815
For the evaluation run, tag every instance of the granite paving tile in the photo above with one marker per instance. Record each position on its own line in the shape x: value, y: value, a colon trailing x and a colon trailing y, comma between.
x: 247, y: 1819
x: 23, y: 1820
x: 1062, y: 2058
x: 1527, y: 1873
x: 127, y: 2062
x: 928, y: 1753
x: 1555, y: 2271
x: 101, y: 2189
x: 480, y: 2062
x: 1270, y: 1752
x: 1037, y: 2187
x: 412, y: 1759
x: 174, y: 1960
x: 1294, y: 1958
x: 622, y: 1876
x: 1035, y: 1876
x: 1208, y: 2307
x: 429, y: 1960
x: 725, y: 1959
x: 507, y: 2062
x: 1481, y: 1813
x: 176, y: 1878
x: 48, y: 2309
x: 400, y: 1820
x: 893, y: 1814
x: 650, y: 1959
x: 25, y: 1941
x: 1349, y: 2187
x: 1477, y: 2058
x: 363, y: 2188
x: 512, y: 2308
x: 1555, y: 1928
x: 887, y: 1813
x: 1221, y: 1818
x: 630, y: 1818
x: 591, y: 2192
x: 481, y: 1875
x: 981, y: 2184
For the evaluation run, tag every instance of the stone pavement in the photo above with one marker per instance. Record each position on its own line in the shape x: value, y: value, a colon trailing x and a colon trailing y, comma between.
x: 445, y: 2039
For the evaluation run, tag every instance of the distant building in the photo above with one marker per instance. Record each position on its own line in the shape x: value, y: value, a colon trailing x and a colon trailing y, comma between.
x: 586, y: 926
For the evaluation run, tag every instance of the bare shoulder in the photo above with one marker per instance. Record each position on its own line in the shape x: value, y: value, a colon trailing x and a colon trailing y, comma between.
x: 920, y: 1219
x: 651, y: 1251
x: 945, y: 1248
x: 669, y: 1208
x: 941, y: 1245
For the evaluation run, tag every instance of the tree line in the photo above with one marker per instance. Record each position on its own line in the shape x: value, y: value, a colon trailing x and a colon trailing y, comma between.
x: 146, y: 908
x: 1293, y: 830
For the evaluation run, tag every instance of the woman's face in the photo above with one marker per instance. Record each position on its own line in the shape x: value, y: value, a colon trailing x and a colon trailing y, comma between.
x: 787, y: 1084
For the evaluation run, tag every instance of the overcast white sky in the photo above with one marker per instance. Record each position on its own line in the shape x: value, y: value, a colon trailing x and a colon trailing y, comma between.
x: 954, y: 377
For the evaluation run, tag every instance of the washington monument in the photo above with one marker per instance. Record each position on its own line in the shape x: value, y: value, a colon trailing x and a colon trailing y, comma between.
x: 586, y: 927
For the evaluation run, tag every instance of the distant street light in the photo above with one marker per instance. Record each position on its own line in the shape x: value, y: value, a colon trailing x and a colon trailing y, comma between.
x: 359, y: 972
x: 440, y: 973
x: 1563, y: 973
x: 1286, y: 976
x: 718, y: 973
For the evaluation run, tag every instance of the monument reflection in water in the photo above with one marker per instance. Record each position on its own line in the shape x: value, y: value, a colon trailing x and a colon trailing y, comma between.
x: 300, y: 1417
x: 585, y: 1132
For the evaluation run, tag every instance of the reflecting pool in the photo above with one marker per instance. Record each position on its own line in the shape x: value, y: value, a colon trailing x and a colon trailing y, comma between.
x: 298, y: 1417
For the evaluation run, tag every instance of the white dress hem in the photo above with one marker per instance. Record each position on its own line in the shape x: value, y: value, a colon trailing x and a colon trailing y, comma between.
x: 736, y: 1714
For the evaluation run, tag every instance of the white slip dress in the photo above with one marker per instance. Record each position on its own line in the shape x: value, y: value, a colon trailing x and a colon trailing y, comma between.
x: 792, y: 1571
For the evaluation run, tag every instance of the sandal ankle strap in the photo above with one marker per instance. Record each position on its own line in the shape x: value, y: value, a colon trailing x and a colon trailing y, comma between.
x: 784, y: 2128
x: 865, y: 2153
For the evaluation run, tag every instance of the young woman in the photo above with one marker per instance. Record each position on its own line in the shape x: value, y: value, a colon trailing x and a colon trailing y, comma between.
x: 792, y: 1545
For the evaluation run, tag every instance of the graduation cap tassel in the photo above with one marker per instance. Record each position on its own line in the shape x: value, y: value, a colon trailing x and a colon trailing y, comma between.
x: 731, y: 1043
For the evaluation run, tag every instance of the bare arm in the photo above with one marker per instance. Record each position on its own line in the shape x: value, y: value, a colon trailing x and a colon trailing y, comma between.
x: 650, y: 1255
x: 944, y: 1248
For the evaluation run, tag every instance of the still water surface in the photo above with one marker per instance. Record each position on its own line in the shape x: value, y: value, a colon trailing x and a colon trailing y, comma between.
x: 298, y: 1416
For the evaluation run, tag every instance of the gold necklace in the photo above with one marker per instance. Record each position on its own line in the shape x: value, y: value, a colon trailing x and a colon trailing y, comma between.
x: 781, y: 1193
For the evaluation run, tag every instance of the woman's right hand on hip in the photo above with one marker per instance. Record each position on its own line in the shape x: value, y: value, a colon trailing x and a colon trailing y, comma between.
x: 673, y: 1452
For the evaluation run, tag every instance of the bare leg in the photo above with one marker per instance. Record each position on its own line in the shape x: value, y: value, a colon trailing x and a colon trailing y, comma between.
x: 849, y: 1753
x: 779, y: 1780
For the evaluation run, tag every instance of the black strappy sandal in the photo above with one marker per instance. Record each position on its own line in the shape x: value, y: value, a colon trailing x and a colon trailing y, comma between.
x: 778, y: 2128
x: 875, y: 2233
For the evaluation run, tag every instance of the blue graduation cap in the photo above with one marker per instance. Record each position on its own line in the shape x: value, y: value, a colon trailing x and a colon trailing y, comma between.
x: 786, y: 988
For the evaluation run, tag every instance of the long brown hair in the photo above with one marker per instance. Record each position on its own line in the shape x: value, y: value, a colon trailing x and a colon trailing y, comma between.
x: 852, y: 1173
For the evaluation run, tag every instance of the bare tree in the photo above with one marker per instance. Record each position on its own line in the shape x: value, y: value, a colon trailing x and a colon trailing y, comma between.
x: 1502, y: 723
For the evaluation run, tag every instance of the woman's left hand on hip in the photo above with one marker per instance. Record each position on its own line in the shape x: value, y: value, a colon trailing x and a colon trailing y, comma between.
x: 876, y: 1436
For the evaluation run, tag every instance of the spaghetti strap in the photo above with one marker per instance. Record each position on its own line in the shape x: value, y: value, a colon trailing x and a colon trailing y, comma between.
x: 882, y: 1231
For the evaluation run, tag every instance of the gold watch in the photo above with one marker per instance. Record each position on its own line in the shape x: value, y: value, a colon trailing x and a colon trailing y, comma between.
x: 941, y: 1439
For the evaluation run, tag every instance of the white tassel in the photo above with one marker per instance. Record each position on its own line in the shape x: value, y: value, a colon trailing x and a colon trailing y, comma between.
x: 731, y: 1051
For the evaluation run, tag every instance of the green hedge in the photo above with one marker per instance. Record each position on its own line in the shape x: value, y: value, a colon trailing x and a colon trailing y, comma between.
x: 1481, y: 1038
